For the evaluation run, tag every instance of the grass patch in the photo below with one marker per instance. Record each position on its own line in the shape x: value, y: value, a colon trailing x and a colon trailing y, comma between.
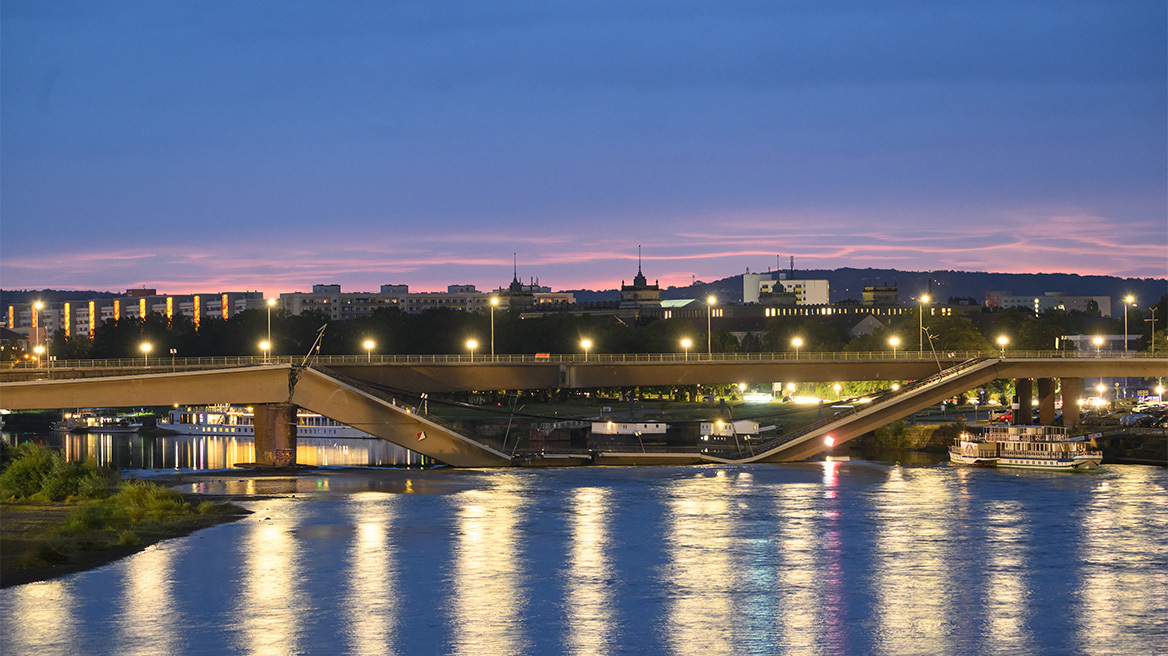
x: 61, y: 516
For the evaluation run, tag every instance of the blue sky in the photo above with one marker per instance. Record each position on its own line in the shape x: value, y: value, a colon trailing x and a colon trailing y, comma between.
x: 270, y: 145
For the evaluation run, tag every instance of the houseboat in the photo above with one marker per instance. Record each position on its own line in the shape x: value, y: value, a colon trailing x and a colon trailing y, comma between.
x: 1028, y: 447
x: 231, y: 421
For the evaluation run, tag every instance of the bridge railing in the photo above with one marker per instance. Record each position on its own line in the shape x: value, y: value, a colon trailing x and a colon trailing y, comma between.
x: 167, y: 362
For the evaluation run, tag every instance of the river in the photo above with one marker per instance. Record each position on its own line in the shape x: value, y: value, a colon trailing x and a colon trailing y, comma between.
x: 851, y: 557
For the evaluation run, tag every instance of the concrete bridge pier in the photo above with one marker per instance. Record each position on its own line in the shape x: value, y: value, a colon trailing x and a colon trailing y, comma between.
x: 1045, y: 401
x: 1072, y: 389
x: 275, y: 434
x: 1024, y: 393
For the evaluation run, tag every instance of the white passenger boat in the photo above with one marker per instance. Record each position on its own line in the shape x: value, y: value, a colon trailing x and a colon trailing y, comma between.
x: 90, y: 420
x: 1029, y: 447
x: 240, y: 422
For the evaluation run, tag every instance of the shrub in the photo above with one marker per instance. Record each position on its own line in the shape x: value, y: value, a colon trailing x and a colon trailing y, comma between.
x: 127, y: 538
x: 26, y: 474
x: 39, y: 474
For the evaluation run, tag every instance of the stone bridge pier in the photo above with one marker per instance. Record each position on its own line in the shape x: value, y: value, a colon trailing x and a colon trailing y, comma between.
x: 275, y: 434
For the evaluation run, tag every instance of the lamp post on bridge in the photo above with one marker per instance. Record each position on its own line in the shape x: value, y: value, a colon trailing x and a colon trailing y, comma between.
x: 368, y: 344
x: 1127, y: 300
x: 494, y: 302
x: 586, y: 344
x: 894, y: 341
x: 797, y: 342
x: 472, y: 344
x: 1002, y: 341
x: 1098, y: 342
x: 921, y: 324
x: 685, y: 344
x: 710, y: 301
x: 270, y: 302
x: 265, y: 346
x: 145, y: 347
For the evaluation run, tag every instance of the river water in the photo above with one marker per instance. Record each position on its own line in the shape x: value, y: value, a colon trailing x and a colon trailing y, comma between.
x: 811, y: 558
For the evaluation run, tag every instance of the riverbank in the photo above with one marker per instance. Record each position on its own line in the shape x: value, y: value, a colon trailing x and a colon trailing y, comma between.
x: 32, y: 547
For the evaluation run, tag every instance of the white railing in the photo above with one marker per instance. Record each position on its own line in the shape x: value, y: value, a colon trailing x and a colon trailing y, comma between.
x: 164, y: 362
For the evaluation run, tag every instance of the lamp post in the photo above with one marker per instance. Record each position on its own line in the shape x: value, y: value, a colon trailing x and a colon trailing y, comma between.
x: 1002, y: 341
x: 710, y: 301
x: 797, y: 342
x: 146, y: 346
x: 472, y: 345
x: 36, y: 326
x: 1127, y: 300
x: 921, y: 321
x: 265, y: 346
x: 586, y: 344
x: 368, y: 344
x: 1152, y: 333
x: 895, y: 342
x: 40, y: 352
x: 494, y: 302
x: 837, y: 388
x: 270, y: 303
x: 1098, y: 342
x: 685, y: 344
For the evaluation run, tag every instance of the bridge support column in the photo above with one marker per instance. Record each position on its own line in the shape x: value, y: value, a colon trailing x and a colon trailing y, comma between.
x: 275, y: 434
x: 1024, y: 393
x: 1045, y: 401
x: 1072, y: 390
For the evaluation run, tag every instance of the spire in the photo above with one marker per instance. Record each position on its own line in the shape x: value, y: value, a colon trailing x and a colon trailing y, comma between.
x: 515, y: 285
x: 639, y: 280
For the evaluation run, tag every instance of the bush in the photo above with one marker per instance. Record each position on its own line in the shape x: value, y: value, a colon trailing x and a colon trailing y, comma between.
x: 25, y: 475
x: 39, y: 474
x: 127, y: 538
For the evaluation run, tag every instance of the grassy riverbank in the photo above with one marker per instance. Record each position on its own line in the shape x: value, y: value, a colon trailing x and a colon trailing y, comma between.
x: 58, y: 517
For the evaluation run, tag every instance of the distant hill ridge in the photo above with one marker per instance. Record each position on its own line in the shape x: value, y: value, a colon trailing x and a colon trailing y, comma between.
x: 848, y: 283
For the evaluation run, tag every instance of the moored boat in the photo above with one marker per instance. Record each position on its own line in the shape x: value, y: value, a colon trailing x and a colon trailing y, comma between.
x: 1027, y: 447
x: 91, y: 420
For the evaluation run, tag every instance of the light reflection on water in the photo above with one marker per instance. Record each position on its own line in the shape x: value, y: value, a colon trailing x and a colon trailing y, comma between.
x: 589, y: 574
x: 816, y: 558
x: 200, y: 452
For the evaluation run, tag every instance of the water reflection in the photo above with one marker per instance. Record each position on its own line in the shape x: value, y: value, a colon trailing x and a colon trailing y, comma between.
x: 913, y: 552
x: 41, y: 619
x: 589, y: 586
x: 699, y: 576
x: 797, y: 565
x: 1005, y: 563
x: 488, y: 577
x: 1121, y: 539
x: 371, y: 602
x: 150, y: 621
x: 270, y: 609
x: 134, y: 451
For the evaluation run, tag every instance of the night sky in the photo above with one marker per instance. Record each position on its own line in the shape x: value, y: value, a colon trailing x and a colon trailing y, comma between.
x: 270, y: 145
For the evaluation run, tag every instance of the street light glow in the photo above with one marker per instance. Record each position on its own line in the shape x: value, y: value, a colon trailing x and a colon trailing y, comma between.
x: 586, y: 344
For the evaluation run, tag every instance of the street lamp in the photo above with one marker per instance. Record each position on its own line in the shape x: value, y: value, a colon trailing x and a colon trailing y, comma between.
x: 40, y: 351
x: 685, y: 344
x: 265, y: 346
x: 921, y: 320
x: 797, y: 342
x: 271, y: 302
x: 586, y: 344
x: 837, y: 388
x: 146, y: 346
x: 368, y: 344
x: 1098, y: 342
x: 710, y: 301
x: 1127, y: 300
x: 472, y: 345
x: 895, y: 341
x: 494, y: 302
x: 36, y: 326
x: 1002, y: 341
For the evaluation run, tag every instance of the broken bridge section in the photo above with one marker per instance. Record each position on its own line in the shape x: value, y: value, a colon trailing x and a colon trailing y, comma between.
x: 346, y: 402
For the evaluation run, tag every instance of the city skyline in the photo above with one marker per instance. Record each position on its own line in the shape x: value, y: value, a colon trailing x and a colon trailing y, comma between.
x: 273, y: 147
